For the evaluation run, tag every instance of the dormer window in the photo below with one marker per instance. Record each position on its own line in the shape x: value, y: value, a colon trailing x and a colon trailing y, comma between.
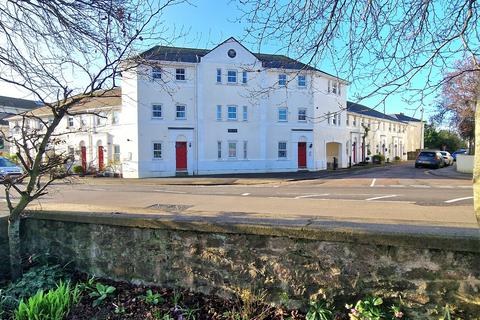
x: 70, y: 122
x: 282, y: 79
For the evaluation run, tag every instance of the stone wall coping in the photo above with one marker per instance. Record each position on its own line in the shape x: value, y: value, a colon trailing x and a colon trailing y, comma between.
x: 427, y: 237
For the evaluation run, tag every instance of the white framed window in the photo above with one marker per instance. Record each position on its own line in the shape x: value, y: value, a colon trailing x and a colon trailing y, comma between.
x: 157, y: 111
x: 302, y: 80
x: 348, y: 120
x: 232, y: 76
x: 157, y: 150
x: 302, y: 114
x: 244, y: 77
x: 282, y: 150
x: 115, y: 118
x: 328, y: 118
x: 219, y: 75
x: 334, y: 87
x: 354, y: 121
x: 181, y: 112
x: 180, y: 74
x: 282, y: 79
x: 219, y: 149
x: 71, y: 152
x: 156, y: 73
x: 245, y: 149
x: 116, y: 152
x: 339, y: 119
x: 101, y: 119
x: 334, y: 119
x: 245, y: 113
x: 232, y: 113
x: 232, y: 149
x: 282, y: 114
x: 70, y: 122
x: 219, y: 113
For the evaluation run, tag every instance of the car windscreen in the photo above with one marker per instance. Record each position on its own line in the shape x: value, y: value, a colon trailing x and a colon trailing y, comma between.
x: 444, y: 153
x: 6, y: 163
x: 428, y: 154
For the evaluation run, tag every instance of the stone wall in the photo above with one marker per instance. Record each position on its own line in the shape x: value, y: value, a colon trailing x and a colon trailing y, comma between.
x: 293, y: 266
x: 4, y: 251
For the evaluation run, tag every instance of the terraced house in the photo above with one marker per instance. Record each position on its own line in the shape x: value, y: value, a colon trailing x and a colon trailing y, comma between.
x: 226, y: 110
x: 372, y: 132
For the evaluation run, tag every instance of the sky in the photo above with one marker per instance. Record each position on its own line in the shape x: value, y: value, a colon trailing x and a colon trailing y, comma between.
x: 206, y: 23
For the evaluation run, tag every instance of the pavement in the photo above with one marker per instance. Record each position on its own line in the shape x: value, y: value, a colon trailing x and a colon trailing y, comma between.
x: 396, y: 195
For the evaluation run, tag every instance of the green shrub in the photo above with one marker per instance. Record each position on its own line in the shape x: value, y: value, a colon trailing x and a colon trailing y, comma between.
x: 78, y: 169
x: 53, y: 305
x: 152, y: 298
x: 101, y: 292
x: 397, y: 158
x: 378, y: 158
x: 318, y: 310
x: 43, y: 277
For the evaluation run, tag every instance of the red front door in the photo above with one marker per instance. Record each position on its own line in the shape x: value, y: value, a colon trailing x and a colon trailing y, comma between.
x: 302, y: 154
x: 83, y: 153
x: 181, y: 155
x: 100, y: 158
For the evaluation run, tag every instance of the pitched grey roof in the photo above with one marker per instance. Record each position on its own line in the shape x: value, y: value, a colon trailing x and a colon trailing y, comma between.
x: 17, y: 103
x: 403, y: 117
x: 194, y: 55
x: 364, y: 110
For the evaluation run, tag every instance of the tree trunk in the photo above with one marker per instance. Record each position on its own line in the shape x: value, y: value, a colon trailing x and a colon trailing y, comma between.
x: 476, y: 169
x: 15, y: 248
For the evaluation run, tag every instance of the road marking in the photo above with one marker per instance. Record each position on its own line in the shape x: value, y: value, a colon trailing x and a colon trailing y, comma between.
x: 458, y: 199
x: 397, y: 186
x: 373, y: 182
x: 445, y: 187
x: 466, y: 187
x: 419, y: 186
x: 168, y: 191
x: 312, y: 195
x: 245, y: 194
x: 381, y: 197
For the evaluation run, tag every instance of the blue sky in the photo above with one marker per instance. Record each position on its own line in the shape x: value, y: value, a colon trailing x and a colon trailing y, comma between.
x: 209, y: 22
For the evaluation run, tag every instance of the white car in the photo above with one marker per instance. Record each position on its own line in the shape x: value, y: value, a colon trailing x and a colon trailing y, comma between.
x: 447, y: 157
x: 8, y: 169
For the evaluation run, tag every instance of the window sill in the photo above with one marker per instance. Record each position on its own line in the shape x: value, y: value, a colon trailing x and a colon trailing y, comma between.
x: 155, y: 118
x: 180, y: 118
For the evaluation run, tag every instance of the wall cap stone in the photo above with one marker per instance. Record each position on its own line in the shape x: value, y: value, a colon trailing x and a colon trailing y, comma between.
x: 428, y: 237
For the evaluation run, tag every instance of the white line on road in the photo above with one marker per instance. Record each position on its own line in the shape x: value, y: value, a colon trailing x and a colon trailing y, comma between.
x: 245, y: 194
x: 466, y: 187
x: 312, y: 195
x: 397, y: 186
x: 168, y: 191
x: 373, y: 182
x: 381, y: 197
x: 458, y: 199
x: 445, y: 187
x: 419, y: 186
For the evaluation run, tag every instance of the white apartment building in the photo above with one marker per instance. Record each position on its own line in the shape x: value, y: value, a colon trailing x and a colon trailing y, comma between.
x: 225, y: 110
x: 228, y: 110
x: 390, y: 135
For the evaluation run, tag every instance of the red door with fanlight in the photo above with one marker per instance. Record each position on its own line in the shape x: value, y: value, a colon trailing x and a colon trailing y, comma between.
x: 181, y: 156
x: 302, y: 154
x: 83, y: 154
x: 100, y: 158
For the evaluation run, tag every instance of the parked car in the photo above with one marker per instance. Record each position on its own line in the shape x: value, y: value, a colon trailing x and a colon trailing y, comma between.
x: 447, y: 157
x: 459, y: 151
x: 8, y: 169
x: 430, y: 158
